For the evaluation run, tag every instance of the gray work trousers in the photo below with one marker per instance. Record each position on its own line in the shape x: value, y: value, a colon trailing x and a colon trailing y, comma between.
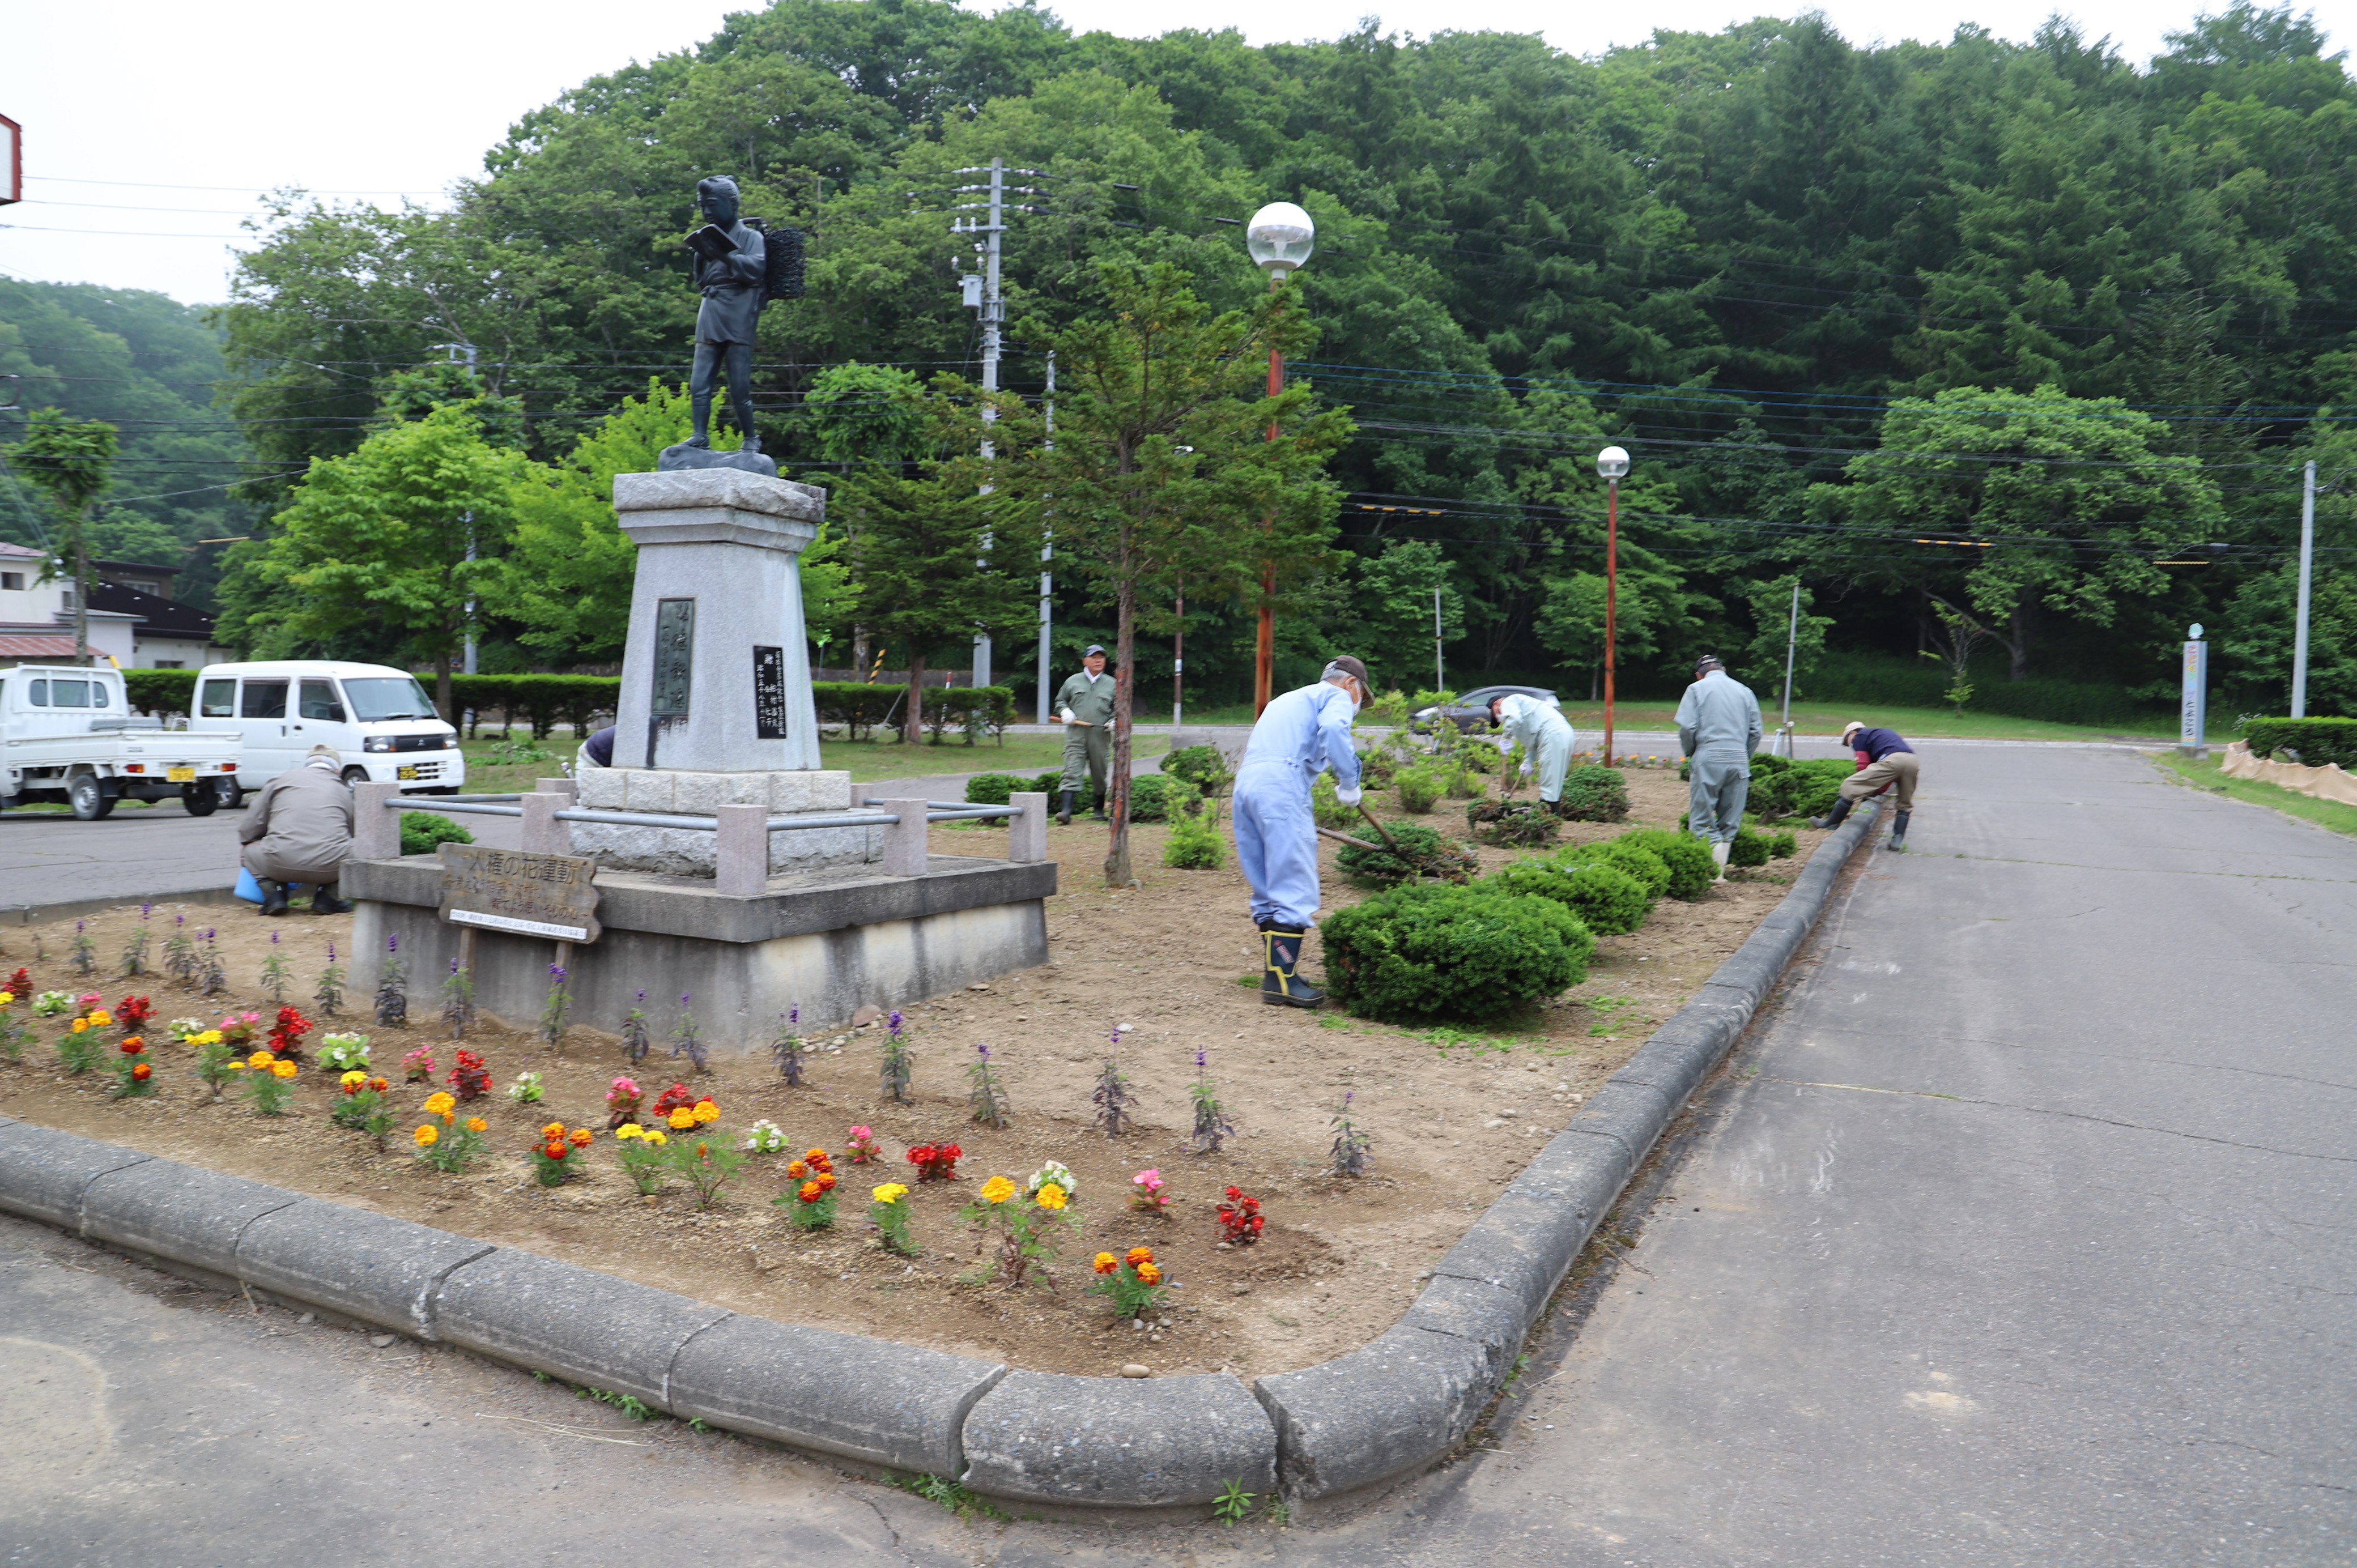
x: 1718, y: 783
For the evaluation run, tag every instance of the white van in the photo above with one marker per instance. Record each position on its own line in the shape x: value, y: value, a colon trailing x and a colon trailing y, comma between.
x: 378, y: 719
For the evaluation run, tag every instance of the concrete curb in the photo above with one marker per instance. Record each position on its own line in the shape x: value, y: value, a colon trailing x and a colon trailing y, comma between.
x: 1393, y: 1406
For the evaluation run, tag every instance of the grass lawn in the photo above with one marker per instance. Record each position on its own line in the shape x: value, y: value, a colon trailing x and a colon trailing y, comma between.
x: 1813, y: 718
x: 2202, y: 774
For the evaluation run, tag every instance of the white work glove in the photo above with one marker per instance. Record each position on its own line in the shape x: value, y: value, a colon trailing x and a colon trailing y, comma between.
x: 1069, y: 718
x: 1526, y: 770
x: 1350, y: 797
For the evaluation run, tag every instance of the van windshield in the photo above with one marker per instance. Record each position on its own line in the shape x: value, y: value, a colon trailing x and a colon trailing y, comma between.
x: 377, y: 697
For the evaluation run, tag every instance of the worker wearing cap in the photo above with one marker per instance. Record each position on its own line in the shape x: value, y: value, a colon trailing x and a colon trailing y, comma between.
x: 1885, y: 761
x: 1538, y: 726
x: 1718, y: 729
x: 1085, y: 704
x: 1299, y: 735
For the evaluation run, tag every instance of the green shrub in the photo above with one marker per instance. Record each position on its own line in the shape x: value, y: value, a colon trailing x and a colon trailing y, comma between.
x: 1782, y: 788
x: 2317, y: 741
x: 1202, y: 766
x: 1692, y: 870
x: 421, y: 831
x: 1195, y: 843
x: 1418, y: 787
x: 1379, y: 867
x: 1377, y: 768
x: 160, y: 692
x: 1651, y: 872
x: 1326, y: 803
x: 1150, y: 798
x: 994, y: 789
x: 1595, y: 794
x: 1465, y: 781
x: 1749, y: 848
x: 1421, y: 952
x: 1048, y: 783
x: 1607, y: 900
x: 1522, y: 824
x: 1784, y: 844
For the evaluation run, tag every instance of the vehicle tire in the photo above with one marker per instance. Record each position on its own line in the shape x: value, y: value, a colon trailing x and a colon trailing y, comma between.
x: 200, y: 800
x: 228, y: 793
x: 90, y: 803
x: 355, y: 775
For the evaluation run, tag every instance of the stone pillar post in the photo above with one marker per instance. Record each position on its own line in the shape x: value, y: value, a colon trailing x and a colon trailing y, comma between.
x: 1026, y: 835
x: 376, y: 827
x: 542, y: 833
x: 741, y: 853
x: 904, y: 842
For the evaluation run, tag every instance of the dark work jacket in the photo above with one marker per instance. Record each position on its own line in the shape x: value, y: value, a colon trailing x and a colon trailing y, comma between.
x: 1874, y: 745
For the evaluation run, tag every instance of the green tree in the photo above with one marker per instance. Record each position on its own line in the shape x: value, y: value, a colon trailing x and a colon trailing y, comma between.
x: 1391, y: 614
x: 1774, y: 625
x: 385, y: 534
x: 71, y: 460
x: 1162, y: 467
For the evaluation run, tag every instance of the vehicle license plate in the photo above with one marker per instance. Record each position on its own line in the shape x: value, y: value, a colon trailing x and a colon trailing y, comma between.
x: 180, y: 775
x: 405, y: 772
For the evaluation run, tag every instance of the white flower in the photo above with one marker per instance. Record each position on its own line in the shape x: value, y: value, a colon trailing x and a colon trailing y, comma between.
x: 1055, y: 1171
x: 766, y: 1138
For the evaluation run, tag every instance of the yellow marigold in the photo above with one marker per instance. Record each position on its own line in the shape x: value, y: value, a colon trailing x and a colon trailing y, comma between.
x: 427, y: 1137
x: 656, y: 1138
x: 628, y: 1131
x: 682, y: 1120
x: 554, y: 1131
x: 1148, y: 1275
x: 1051, y: 1196
x: 705, y: 1112
x: 997, y: 1189
x: 438, y: 1103
x: 259, y: 1059
x: 6, y: 997
x: 476, y: 1124
x: 1105, y: 1263
x: 210, y: 1037
x: 101, y: 1019
x: 79, y: 1025
x: 282, y: 1070
x: 890, y: 1192
x: 1140, y: 1255
x: 353, y: 1079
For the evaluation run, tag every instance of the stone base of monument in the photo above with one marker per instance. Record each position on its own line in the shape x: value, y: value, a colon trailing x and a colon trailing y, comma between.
x: 675, y: 852
x: 829, y: 942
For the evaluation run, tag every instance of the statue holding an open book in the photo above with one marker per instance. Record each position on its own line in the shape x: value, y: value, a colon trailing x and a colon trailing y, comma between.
x: 739, y: 267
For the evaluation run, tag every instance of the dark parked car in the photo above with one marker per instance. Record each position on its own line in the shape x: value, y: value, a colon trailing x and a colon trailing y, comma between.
x: 1470, y: 712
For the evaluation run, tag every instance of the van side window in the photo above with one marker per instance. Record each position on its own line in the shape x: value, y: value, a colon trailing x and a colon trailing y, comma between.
x: 39, y: 696
x: 219, y: 702
x: 265, y: 700
x: 320, y: 702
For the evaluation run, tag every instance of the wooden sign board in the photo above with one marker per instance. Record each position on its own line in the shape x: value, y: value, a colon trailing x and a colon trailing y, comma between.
x: 552, y: 896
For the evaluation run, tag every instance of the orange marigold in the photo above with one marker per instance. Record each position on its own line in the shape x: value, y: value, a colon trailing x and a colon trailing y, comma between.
x: 554, y: 1149
x: 1140, y: 1255
x: 811, y: 1192
x: 581, y: 1136
x: 552, y: 1132
x: 826, y: 1181
x: 1105, y: 1263
x: 798, y: 1170
x: 1148, y: 1275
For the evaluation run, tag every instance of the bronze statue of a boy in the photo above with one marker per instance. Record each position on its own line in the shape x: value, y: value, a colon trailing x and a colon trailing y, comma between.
x: 731, y: 267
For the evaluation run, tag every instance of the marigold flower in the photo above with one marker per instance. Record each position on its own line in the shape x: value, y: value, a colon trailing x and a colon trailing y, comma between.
x: 1140, y: 1255
x: 680, y: 1121
x: 79, y: 1025
x: 997, y: 1189
x: 1148, y: 1275
x: 438, y: 1103
x: 811, y: 1192
x: 261, y: 1058
x: 554, y: 1131
x: 890, y: 1192
x: 353, y: 1082
x: 798, y: 1170
x: 476, y: 1124
x: 554, y: 1150
x: 705, y: 1113
x: 141, y: 1072
x: 656, y: 1138
x: 1105, y: 1263
x: 581, y: 1136
x: 427, y: 1137
x: 628, y: 1131
x: 825, y: 1181
x: 821, y: 1153
x: 132, y: 1047
x: 380, y: 1085
x: 101, y: 1019
x: 1051, y: 1197
x: 282, y: 1069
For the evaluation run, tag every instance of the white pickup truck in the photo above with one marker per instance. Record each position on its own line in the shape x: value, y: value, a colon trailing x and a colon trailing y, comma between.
x: 67, y: 734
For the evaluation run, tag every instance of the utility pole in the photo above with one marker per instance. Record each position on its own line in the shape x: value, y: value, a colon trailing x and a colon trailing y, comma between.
x: 2300, y: 623
x: 1178, y: 666
x: 1046, y: 562
x: 994, y: 314
x: 1612, y: 464
x: 1439, y: 683
x: 452, y: 353
x: 1792, y: 644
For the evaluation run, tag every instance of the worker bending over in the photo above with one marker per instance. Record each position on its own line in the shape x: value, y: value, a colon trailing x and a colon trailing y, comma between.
x: 1885, y: 761
x: 1538, y: 726
x: 1718, y: 729
x: 1299, y: 735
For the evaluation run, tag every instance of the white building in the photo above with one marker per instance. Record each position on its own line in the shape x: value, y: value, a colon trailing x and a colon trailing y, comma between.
x: 133, y: 617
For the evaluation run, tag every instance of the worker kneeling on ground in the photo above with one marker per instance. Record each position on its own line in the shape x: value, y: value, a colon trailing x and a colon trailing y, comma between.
x: 1539, y: 728
x: 1718, y: 729
x: 1885, y: 761
x: 1299, y: 735
x: 299, y: 828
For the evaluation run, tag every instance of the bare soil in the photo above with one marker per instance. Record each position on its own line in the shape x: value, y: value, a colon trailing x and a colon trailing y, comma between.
x: 1453, y: 1113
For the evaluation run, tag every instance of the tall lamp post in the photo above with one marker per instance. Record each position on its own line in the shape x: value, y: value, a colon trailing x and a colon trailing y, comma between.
x: 1280, y: 237
x: 1611, y: 462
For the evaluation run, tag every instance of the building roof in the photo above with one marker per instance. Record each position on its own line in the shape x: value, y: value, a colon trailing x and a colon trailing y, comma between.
x: 158, y: 617
x: 13, y: 549
x: 15, y: 646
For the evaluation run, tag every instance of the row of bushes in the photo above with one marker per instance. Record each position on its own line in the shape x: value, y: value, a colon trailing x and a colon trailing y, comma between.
x: 2316, y: 742
x: 1876, y: 680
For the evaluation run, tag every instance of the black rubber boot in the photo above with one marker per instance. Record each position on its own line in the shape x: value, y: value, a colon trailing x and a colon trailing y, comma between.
x: 1279, y: 985
x: 1899, y: 831
x: 325, y: 902
x: 1833, y: 819
x: 1097, y: 811
x: 274, y: 896
x: 1064, y: 809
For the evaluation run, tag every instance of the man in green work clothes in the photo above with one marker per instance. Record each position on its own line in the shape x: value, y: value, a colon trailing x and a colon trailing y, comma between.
x: 1085, y: 704
x: 1718, y: 729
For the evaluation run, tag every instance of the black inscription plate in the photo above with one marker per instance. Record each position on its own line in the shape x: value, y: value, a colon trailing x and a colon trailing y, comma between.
x: 674, y: 656
x: 769, y: 692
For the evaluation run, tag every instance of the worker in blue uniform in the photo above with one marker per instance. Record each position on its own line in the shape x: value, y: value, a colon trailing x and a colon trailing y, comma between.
x: 1718, y: 729
x: 1299, y: 735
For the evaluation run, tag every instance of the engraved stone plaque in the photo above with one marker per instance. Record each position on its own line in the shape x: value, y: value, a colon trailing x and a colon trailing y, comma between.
x: 674, y: 657
x: 769, y: 692
x: 553, y: 896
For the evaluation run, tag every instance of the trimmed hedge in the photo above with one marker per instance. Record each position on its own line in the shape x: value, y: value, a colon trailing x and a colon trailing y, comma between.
x: 1379, y: 867
x: 1784, y: 788
x: 1651, y: 872
x: 1150, y: 798
x: 163, y: 692
x: 994, y: 789
x: 2319, y: 742
x: 1422, y: 952
x: 1607, y: 900
x: 422, y: 831
x: 1692, y: 870
x: 1595, y: 793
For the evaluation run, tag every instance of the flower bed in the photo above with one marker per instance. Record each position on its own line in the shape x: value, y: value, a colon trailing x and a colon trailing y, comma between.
x: 1302, y: 1266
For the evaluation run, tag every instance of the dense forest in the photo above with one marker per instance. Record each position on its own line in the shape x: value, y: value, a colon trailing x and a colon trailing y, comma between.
x: 151, y: 367
x: 2008, y: 345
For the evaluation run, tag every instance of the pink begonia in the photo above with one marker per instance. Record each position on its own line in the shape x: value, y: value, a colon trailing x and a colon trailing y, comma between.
x: 858, y: 1133
x: 624, y: 1086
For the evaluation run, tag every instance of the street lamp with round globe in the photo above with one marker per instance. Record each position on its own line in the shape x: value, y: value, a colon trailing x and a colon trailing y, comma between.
x: 1611, y: 463
x: 1280, y: 237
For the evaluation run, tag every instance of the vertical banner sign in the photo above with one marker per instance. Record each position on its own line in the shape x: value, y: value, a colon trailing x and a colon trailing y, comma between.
x: 769, y: 692
x: 675, y: 663
x: 2192, y: 707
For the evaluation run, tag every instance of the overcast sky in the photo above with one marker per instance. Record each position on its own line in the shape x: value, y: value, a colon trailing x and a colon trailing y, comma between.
x: 151, y: 127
